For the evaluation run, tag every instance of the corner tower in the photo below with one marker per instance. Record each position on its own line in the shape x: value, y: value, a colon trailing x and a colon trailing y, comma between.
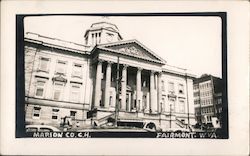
x: 102, y: 32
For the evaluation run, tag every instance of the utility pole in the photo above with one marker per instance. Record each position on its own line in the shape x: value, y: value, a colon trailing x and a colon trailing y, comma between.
x: 200, y: 106
x: 117, y: 91
x: 170, y: 115
x: 187, y: 98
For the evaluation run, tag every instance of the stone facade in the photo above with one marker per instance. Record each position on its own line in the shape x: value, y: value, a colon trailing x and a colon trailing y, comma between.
x: 68, y: 79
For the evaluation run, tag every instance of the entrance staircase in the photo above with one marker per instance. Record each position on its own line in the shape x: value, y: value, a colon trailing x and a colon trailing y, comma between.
x: 104, y: 120
x: 181, y: 124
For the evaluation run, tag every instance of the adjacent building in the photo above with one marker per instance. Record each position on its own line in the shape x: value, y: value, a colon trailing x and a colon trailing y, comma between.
x: 208, y: 100
x: 65, y: 79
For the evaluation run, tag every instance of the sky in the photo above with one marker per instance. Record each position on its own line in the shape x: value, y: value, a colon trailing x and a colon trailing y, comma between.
x: 190, y: 42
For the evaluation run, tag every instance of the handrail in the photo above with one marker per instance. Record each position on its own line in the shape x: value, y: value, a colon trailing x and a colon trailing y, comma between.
x: 105, y: 117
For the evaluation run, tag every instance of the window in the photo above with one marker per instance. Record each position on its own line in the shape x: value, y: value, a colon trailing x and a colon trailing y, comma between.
x: 58, y: 90
x: 181, y: 89
x: 144, y: 101
x: 75, y: 92
x: 162, y: 86
x: 171, y: 87
x: 196, y: 101
x: 171, y: 105
x: 196, y: 87
x: 92, y: 39
x: 36, y: 112
x: 55, y: 113
x: 219, y: 101
x: 182, y: 106
x: 61, y: 67
x: 110, y: 100
x: 73, y: 114
x: 196, y: 94
x: 77, y: 70
x: 163, y: 104
x: 44, y: 64
x: 40, y: 88
x: 99, y: 37
x: 209, y: 118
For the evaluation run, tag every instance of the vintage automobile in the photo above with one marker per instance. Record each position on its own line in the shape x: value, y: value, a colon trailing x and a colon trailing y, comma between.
x: 124, y: 127
x: 41, y: 128
x: 178, y: 130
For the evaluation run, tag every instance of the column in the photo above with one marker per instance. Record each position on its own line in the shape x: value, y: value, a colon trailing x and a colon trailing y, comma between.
x: 98, y: 83
x: 138, y: 90
x: 107, y: 85
x: 152, y: 92
x: 124, y: 87
x: 156, y: 93
x: 159, y: 90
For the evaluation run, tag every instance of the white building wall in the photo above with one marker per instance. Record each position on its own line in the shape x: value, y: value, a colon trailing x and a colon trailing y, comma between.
x: 70, y: 60
x: 187, y: 97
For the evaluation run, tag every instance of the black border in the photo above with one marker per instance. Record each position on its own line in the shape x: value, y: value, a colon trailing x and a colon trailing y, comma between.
x: 20, y: 80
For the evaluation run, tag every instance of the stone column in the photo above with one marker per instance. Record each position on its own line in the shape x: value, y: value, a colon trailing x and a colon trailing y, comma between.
x: 152, y: 91
x: 159, y: 90
x: 124, y: 87
x: 138, y: 90
x: 107, y: 85
x: 98, y: 83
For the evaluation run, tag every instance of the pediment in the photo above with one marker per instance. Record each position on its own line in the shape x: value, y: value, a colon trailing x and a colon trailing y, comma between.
x: 59, y: 78
x: 132, y: 48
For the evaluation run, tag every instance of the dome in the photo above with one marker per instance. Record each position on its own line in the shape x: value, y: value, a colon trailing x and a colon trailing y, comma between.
x: 105, y: 25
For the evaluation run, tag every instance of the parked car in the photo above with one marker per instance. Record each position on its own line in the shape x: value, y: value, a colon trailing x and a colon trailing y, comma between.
x: 41, y: 128
x: 125, y: 127
x: 118, y: 129
x: 177, y: 130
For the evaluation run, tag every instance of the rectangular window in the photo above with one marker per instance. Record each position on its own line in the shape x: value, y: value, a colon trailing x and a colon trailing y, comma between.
x: 171, y: 87
x: 182, y: 106
x: 171, y: 105
x: 99, y: 37
x: 73, y: 114
x: 208, y: 118
x: 36, y: 112
x: 40, y: 88
x: 77, y: 70
x: 163, y: 104
x: 181, y: 89
x: 44, y: 64
x: 110, y: 100
x: 219, y: 101
x: 196, y: 87
x: 61, y: 67
x: 144, y: 101
x: 75, y: 92
x: 58, y: 91
x: 55, y: 113
x: 162, y: 86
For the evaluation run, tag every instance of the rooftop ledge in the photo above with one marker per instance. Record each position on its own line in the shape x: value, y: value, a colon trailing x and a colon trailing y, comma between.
x: 57, y: 42
x: 178, y: 71
x: 80, y: 48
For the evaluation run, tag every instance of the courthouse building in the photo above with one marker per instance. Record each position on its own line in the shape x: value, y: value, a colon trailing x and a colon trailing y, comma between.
x: 65, y: 79
x: 208, y: 99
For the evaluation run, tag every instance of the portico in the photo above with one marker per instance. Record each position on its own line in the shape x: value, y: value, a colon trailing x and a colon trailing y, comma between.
x: 140, y: 81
